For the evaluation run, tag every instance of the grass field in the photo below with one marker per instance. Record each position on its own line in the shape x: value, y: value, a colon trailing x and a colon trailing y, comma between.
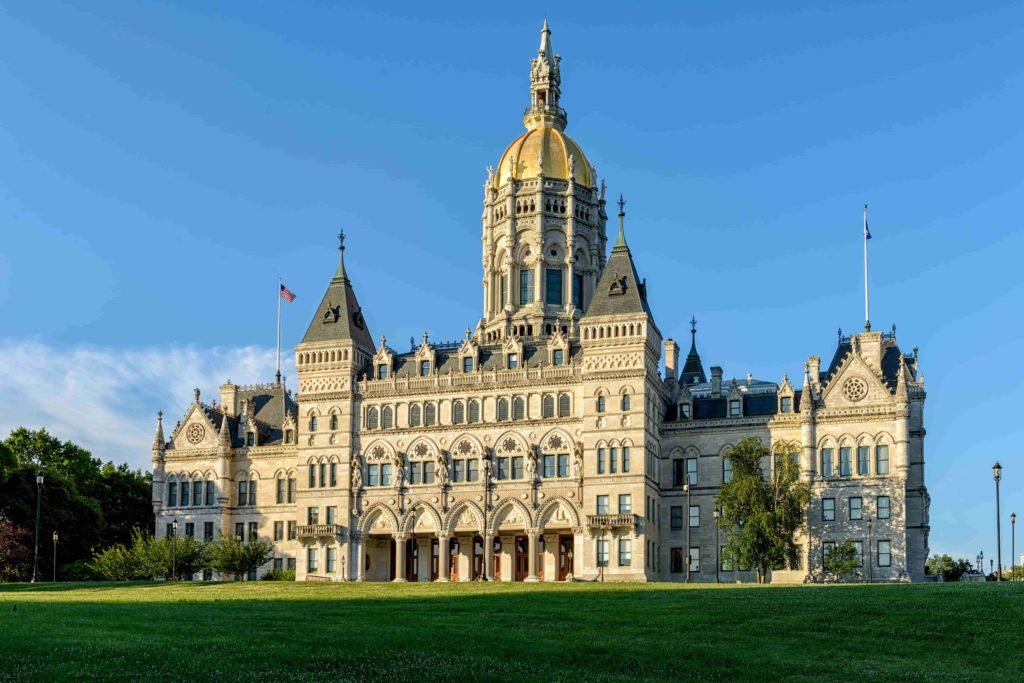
x: 264, y: 631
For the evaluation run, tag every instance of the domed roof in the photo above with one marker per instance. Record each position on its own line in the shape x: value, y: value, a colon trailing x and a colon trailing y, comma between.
x: 556, y: 146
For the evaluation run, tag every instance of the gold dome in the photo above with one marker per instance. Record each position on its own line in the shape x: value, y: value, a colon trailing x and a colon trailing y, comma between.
x: 557, y: 147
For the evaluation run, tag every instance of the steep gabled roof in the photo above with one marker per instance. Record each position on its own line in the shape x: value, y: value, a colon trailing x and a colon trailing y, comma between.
x: 693, y: 369
x: 339, y: 316
x: 619, y: 291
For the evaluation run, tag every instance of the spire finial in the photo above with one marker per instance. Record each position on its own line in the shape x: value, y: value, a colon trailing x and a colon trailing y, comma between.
x: 196, y: 392
x: 621, y: 241
x: 340, y: 273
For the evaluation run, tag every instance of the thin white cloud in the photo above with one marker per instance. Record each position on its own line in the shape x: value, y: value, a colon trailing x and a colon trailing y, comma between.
x: 105, y: 399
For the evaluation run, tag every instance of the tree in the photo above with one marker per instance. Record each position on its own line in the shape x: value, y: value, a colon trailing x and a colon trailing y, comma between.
x: 763, y: 513
x: 231, y: 557
x: 174, y: 558
x: 119, y: 563
x: 947, y: 567
x: 842, y: 559
x: 15, y: 552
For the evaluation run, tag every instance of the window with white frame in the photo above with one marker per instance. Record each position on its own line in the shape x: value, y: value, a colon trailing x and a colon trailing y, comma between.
x: 694, y: 559
x: 691, y: 471
x: 602, y: 505
x: 882, y: 459
x: 694, y: 516
x: 625, y: 552
x: 882, y: 505
x: 828, y: 509
x: 855, y: 509
x: 884, y: 554
x: 625, y: 504
x: 602, y: 552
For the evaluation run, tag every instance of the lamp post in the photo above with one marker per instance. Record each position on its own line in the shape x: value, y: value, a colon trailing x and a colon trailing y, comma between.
x: 981, y: 562
x: 39, y: 510
x: 718, y: 560
x: 1013, y: 546
x: 600, y: 561
x: 686, y: 488
x: 871, y: 524
x: 997, y: 474
x: 55, y: 556
x: 174, y: 549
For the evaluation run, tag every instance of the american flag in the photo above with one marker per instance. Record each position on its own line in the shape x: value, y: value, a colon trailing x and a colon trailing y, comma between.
x: 287, y: 294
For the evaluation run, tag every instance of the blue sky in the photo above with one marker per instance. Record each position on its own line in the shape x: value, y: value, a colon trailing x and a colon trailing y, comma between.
x: 162, y: 163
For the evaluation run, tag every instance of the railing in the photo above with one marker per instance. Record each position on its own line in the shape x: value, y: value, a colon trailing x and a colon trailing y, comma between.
x: 368, y: 387
x: 613, y: 521
x: 545, y: 109
x: 320, y: 530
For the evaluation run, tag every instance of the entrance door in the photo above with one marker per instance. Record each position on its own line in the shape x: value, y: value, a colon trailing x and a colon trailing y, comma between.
x: 478, y: 557
x: 496, y: 561
x: 565, y: 557
x: 522, y: 558
x: 434, y: 559
x: 412, y: 560
x: 453, y: 560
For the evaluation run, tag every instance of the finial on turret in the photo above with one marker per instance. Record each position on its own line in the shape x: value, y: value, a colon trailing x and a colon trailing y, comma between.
x: 340, y: 273
x: 196, y: 392
x: 383, y: 341
x: 158, y: 435
x: 467, y: 332
x: 426, y: 337
x: 621, y: 241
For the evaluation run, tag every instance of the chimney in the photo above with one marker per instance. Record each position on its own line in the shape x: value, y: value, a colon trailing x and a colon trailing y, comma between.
x: 671, y: 359
x: 814, y: 368
x: 716, y: 381
x: 229, y: 398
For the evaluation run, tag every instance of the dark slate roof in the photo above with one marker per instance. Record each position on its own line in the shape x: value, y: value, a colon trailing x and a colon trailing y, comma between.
x: 619, y: 291
x: 491, y: 357
x: 707, y: 408
x: 269, y: 416
x: 693, y: 369
x: 339, y: 315
x: 890, y: 361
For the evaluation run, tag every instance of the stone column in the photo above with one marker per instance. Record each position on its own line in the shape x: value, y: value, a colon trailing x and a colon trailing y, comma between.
x: 578, y: 547
x: 488, y: 536
x: 902, y: 454
x: 443, y: 549
x: 400, y: 557
x: 358, y: 551
x: 532, y: 576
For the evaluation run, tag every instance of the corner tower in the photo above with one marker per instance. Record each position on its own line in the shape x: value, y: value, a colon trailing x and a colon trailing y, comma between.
x: 543, y: 222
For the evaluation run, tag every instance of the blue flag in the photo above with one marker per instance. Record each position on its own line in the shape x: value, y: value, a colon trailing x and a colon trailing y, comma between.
x: 867, y: 233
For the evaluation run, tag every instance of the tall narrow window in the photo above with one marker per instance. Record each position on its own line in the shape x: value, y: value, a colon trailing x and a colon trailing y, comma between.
x: 387, y: 417
x: 602, y: 505
x: 518, y: 408
x: 844, y: 462
x: 694, y: 559
x: 855, y: 509
x: 209, y: 492
x: 600, y: 460
x: 884, y: 554
x: 331, y: 561
x: 424, y: 368
x: 577, y: 290
x: 676, y: 517
x: 862, y: 460
x: 385, y: 474
x: 429, y: 414
x: 564, y: 405
x: 414, y: 473
x: 243, y: 493
x: 414, y: 415
x: 293, y: 487
x: 600, y: 404
x: 625, y: 504
x: 323, y: 474
x: 371, y: 418
x: 691, y: 471
x: 252, y: 492
x: 517, y: 467
x: 513, y: 361
x: 197, y: 493
x: 372, y: 475
x: 602, y: 552
x: 882, y: 503
x: 826, y: 462
x: 786, y: 404
x: 525, y: 287
x: 458, y: 470
x: 549, y: 466
x: 280, y: 490
x: 382, y: 371
x: 312, y: 515
x: 694, y: 516
x: 467, y: 364
x: 502, y: 469
x: 172, y: 494
x: 502, y: 409
x: 312, y: 423
x: 474, y: 412
x: 881, y: 460
x: 311, y: 560
x: 504, y: 290
x: 613, y: 460
x: 334, y: 423
x: 334, y: 474
x: 184, y: 494
x: 625, y: 403
x: 473, y: 470
x: 563, y: 465
x: 558, y: 357
x: 625, y: 552
x: 726, y: 470
x: 734, y: 408
x: 458, y: 412
x: 278, y: 531
x: 553, y: 286
x: 548, y: 409
x: 625, y: 458
x: 428, y: 472
x: 828, y: 509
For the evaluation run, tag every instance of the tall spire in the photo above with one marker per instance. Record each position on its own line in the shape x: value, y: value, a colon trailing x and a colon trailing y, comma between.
x: 339, y: 317
x: 545, y: 87
x: 158, y: 436
x: 693, y: 369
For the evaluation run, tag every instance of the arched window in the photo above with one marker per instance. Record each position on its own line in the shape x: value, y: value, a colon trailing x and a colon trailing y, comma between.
x: 600, y: 404
x: 414, y: 415
x: 312, y: 423
x: 518, y: 408
x: 387, y: 417
x: 334, y: 423
x: 371, y: 418
x: 548, y: 409
x: 625, y: 403
x: 564, y: 405
x: 429, y: 414
x: 458, y: 412
x: 474, y: 412
x: 502, y: 409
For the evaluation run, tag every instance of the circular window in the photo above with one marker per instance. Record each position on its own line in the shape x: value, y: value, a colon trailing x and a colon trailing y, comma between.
x: 195, y: 433
x: 855, y: 389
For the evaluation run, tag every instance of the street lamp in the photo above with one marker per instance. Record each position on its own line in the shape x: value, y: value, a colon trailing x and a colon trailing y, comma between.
x: 174, y: 549
x: 55, y: 556
x: 686, y: 488
x: 39, y: 510
x: 981, y: 562
x: 871, y: 524
x: 997, y: 474
x: 718, y: 560
x: 1013, y: 546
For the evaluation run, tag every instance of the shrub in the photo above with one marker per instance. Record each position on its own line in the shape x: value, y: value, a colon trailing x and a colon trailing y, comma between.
x: 279, y: 575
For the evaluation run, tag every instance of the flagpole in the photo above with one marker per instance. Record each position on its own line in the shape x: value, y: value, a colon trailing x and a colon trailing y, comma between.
x: 867, y: 309
x: 280, y: 283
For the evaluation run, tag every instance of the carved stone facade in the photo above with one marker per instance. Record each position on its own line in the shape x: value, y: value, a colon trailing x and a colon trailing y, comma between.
x: 550, y: 443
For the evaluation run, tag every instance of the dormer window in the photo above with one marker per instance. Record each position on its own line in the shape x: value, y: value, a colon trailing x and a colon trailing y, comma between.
x: 734, y: 408
x: 288, y: 436
x: 467, y: 364
x: 786, y: 404
x: 684, y: 410
x: 382, y: 371
x: 424, y: 368
x: 557, y: 357
x: 513, y: 361
x: 250, y: 439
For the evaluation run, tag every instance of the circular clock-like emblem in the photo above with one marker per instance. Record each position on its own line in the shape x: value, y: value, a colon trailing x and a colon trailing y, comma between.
x: 855, y: 389
x: 195, y: 433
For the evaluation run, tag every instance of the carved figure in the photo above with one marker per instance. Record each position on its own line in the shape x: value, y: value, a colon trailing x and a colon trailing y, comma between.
x: 357, y: 474
x: 442, y: 470
x: 577, y: 464
x: 531, y: 466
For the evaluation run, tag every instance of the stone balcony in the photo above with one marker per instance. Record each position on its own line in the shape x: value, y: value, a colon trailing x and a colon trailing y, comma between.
x: 629, y: 521
x: 308, y: 532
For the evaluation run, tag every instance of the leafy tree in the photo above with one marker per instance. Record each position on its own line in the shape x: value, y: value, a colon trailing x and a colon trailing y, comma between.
x: 763, y: 513
x: 842, y: 559
x: 231, y: 557
x: 15, y: 552
x: 41, y: 451
x: 947, y: 567
x: 127, y: 497
x: 120, y: 563
x: 176, y: 558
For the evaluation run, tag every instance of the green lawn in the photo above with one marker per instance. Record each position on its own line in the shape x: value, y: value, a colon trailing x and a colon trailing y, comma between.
x: 264, y: 631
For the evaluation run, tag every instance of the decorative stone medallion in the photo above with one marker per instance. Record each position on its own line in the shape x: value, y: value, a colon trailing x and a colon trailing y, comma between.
x: 855, y: 389
x: 195, y: 433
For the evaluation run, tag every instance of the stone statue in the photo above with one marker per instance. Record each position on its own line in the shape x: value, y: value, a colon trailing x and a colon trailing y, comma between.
x: 577, y: 464
x: 399, y: 471
x: 572, y: 165
x: 531, y: 466
x: 488, y: 469
x: 357, y: 473
x: 442, y: 470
